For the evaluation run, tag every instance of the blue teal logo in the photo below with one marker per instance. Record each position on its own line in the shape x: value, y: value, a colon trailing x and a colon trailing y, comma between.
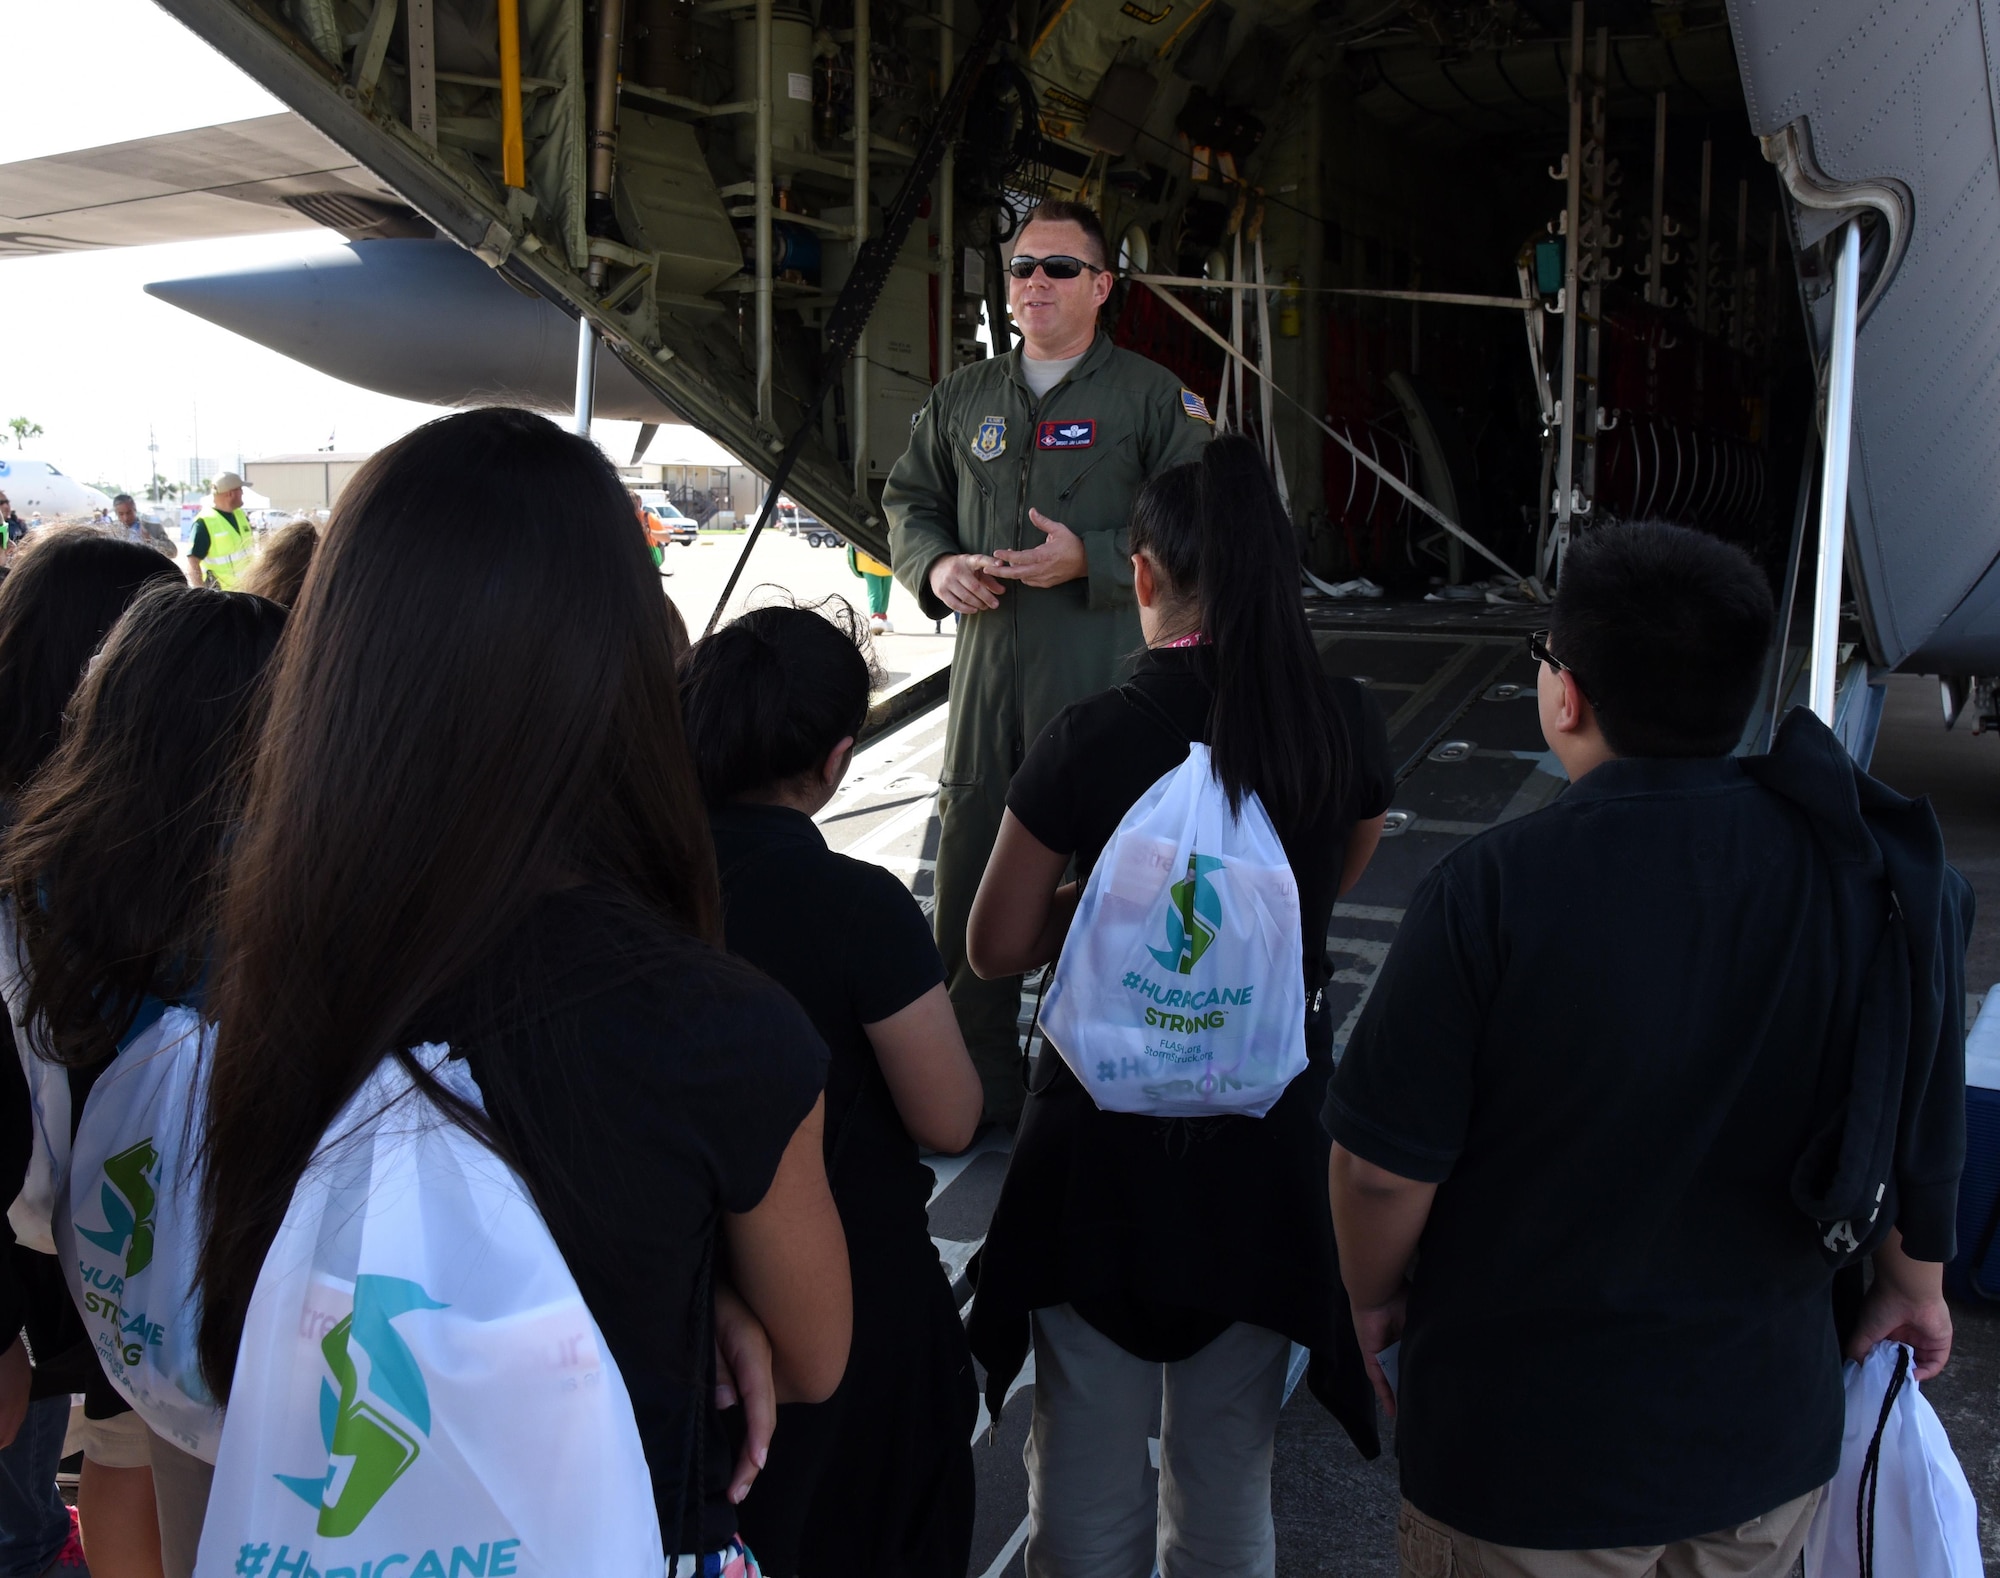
x: 127, y: 1199
x: 1193, y: 918
x: 371, y: 1441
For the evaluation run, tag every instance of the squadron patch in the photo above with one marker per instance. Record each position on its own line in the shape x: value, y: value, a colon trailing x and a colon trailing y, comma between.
x: 1066, y: 435
x: 991, y: 440
x: 1196, y: 407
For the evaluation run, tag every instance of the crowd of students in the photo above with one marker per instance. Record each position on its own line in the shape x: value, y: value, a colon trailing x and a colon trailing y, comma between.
x: 429, y: 782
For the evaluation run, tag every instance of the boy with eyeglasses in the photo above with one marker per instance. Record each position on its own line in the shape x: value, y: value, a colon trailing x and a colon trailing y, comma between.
x: 1008, y: 509
x: 1611, y: 1121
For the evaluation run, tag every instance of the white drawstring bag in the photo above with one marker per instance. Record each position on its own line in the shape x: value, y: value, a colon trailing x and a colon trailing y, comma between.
x: 31, y: 1213
x: 129, y: 1227
x: 1900, y: 1506
x: 420, y: 1390
x: 1181, y: 987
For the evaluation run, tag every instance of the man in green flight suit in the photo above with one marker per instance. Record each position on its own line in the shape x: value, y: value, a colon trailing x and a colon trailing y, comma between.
x: 1009, y: 510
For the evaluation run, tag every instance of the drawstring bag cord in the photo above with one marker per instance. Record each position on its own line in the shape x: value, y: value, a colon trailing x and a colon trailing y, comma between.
x: 1871, y: 1470
x: 696, y: 1456
x: 1034, y: 1025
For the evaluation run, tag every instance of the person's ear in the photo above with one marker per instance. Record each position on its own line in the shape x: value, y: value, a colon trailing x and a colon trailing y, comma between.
x: 1101, y: 287
x: 838, y: 760
x: 1573, y: 712
x: 1145, y: 585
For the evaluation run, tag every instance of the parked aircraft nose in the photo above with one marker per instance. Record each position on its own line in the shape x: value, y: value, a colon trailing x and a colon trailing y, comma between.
x: 420, y: 319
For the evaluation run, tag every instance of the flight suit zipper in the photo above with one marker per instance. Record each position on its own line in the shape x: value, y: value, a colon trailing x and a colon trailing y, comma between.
x: 1020, y: 530
x: 1014, y: 610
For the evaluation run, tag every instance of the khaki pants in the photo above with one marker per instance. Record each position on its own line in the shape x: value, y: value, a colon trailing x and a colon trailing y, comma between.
x: 988, y: 1011
x: 1097, y: 1508
x: 180, y: 1490
x: 1766, y: 1547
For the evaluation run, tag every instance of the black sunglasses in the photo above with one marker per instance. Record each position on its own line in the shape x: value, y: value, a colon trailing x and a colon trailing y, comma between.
x: 1061, y: 266
x: 1538, y: 649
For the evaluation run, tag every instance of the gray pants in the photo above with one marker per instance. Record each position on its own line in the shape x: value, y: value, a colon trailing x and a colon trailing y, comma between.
x: 180, y: 1491
x: 1097, y: 1506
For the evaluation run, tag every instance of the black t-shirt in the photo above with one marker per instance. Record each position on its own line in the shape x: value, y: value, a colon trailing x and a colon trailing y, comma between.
x: 198, y: 543
x: 1100, y: 756
x: 1600, y: 1031
x: 1162, y: 1232
x: 647, y: 1083
x: 847, y: 940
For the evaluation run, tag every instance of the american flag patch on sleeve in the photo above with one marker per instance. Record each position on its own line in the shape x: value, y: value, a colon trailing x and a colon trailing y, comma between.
x: 1196, y: 407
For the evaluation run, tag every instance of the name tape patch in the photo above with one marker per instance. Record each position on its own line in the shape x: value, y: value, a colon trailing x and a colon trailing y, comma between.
x: 1066, y: 435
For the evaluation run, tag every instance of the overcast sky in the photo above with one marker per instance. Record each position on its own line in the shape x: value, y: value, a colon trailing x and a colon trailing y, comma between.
x: 84, y: 350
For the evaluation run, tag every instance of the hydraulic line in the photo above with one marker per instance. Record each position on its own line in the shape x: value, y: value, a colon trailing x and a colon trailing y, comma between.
x: 513, y: 144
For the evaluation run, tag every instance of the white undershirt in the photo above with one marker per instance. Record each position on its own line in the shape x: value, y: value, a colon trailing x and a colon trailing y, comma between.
x: 1044, y: 376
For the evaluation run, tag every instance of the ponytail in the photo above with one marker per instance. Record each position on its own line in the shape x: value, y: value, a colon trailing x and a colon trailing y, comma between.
x: 1218, y: 531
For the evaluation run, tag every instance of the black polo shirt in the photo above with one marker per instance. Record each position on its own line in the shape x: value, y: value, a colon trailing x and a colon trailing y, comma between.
x: 1599, y: 1031
x: 852, y: 946
x: 646, y: 1084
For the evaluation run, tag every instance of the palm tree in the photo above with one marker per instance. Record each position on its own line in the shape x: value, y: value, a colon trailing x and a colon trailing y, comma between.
x: 24, y: 430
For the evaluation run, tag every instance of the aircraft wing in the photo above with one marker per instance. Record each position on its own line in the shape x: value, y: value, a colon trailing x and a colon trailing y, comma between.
x: 248, y: 177
x: 1889, y: 112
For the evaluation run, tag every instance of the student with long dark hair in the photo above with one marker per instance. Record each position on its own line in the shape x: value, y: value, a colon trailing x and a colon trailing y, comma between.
x: 1170, y: 1263
x: 878, y: 1480
x: 473, y: 820
x: 111, y: 868
x: 56, y: 604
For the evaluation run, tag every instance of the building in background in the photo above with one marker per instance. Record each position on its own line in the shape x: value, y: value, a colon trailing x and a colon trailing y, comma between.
x: 302, y: 483
x: 703, y: 479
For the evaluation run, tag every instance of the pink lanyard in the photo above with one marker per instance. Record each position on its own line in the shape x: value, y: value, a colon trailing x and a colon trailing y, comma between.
x: 1195, y: 639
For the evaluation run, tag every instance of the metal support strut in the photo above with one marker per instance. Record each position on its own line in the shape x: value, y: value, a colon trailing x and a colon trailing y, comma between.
x: 1833, y: 476
x: 857, y: 417
x: 586, y: 376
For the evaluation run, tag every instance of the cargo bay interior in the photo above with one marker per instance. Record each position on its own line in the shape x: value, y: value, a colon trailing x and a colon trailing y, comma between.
x: 1480, y: 274
x: 1523, y: 267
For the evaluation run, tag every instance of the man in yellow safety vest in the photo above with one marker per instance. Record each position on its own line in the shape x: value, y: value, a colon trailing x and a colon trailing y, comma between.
x: 223, y: 542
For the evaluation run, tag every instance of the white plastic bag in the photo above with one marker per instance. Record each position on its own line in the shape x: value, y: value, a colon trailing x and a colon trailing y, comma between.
x: 1900, y: 1506
x: 129, y: 1228
x: 32, y: 1212
x: 420, y: 1390
x: 1181, y: 989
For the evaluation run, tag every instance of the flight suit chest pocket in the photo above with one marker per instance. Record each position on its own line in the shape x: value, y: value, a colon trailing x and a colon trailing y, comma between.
x: 987, y: 480
x: 1090, y: 489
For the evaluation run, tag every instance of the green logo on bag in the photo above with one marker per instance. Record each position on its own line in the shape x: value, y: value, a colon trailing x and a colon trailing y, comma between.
x: 371, y: 1442
x: 127, y: 1199
x: 1194, y: 916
